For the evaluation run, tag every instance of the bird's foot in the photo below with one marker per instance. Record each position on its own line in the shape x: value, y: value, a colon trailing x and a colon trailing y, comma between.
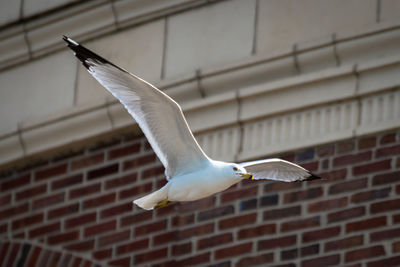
x: 162, y: 204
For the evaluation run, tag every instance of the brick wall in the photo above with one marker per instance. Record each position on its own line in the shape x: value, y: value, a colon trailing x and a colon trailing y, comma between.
x: 76, y: 209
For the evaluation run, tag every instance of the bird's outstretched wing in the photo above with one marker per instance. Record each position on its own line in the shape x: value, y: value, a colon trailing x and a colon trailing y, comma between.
x: 278, y: 170
x: 160, y: 117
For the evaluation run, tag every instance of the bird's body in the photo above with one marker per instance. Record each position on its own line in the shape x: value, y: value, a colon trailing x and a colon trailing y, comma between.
x: 191, y: 174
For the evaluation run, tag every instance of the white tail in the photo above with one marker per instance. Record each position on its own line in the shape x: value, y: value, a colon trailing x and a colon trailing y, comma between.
x: 149, y: 201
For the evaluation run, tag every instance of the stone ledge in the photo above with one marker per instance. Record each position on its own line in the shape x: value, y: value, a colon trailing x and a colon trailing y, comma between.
x: 231, y: 109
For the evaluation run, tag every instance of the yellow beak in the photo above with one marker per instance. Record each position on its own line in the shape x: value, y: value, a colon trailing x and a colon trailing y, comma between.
x: 247, y: 176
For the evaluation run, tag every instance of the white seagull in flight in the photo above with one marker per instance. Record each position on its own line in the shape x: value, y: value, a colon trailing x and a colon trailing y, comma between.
x: 191, y: 174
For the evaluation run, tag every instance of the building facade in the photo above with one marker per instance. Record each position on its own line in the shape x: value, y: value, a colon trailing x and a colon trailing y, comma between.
x: 314, y: 82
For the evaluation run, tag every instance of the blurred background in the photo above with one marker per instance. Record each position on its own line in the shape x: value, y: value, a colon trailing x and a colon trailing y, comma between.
x: 314, y: 82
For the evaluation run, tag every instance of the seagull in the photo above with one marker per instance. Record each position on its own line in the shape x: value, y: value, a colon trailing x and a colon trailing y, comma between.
x: 190, y: 173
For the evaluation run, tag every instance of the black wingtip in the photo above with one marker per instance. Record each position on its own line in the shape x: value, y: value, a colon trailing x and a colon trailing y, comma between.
x: 83, y: 54
x: 313, y: 177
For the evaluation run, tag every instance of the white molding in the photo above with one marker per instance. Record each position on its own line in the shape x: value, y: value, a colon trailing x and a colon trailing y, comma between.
x: 348, y: 110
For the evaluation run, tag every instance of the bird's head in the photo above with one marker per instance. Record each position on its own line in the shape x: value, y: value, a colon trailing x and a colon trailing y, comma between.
x: 239, y: 172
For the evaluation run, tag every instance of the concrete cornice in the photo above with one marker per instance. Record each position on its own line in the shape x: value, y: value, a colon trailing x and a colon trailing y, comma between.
x: 343, y: 93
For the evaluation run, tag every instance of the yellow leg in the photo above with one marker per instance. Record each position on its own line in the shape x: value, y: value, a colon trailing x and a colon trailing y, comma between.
x: 162, y: 204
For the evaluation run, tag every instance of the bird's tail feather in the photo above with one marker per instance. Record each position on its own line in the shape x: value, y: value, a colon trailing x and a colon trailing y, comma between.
x: 148, y: 202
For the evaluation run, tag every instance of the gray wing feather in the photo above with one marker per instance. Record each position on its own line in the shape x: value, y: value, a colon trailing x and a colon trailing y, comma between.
x: 278, y: 170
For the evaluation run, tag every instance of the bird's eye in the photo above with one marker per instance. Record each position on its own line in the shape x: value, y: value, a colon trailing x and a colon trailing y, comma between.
x: 235, y: 169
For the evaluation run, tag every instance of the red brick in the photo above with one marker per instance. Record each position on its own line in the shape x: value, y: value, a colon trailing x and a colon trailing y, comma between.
x: 330, y: 204
x: 182, y: 220
x: 396, y: 218
x: 99, y: 201
x: 346, y: 214
x: 3, y: 228
x: 5, y: 200
x: 365, y: 224
x: 45, y: 230
x: 136, y: 190
x: 367, y: 142
x: 50, y: 172
x: 181, y: 249
x: 371, y: 195
x: 194, y: 260
x: 87, y: 161
x: 279, y: 242
x: 196, y: 205
x: 119, y: 262
x: 387, y: 151
x: 102, y: 171
x: 273, y: 187
x: 13, y: 211
x: 12, y: 255
x: 124, y: 151
x: 166, y: 211
x: 102, y: 254
x: 352, y: 158
x: 300, y: 224
x: 3, y: 252
x: 214, y: 241
x: 386, y: 178
x: 66, y: 182
x: 331, y: 260
x: 233, y: 251
x: 114, y: 238
x: 348, y: 186
x: 14, y: 183
x: 384, y: 206
x: 151, y: 255
x: 62, y: 211
x: 34, y: 256
x: 281, y: 213
x: 303, y: 195
x: 393, y: 261
x: 139, y: 162
x: 215, y: 213
x: 237, y: 221
x: 100, y: 228
x: 133, y: 246
x: 81, y: 219
x: 364, y: 253
x: 344, y: 243
x: 117, y: 210
x: 255, y: 260
x: 63, y: 237
x: 332, y: 175
x: 384, y: 235
x: 121, y: 181
x: 31, y: 192
x: 81, y: 246
x: 77, y: 262
x: 165, y: 238
x: 372, y: 167
x: 324, y: 151
x: 48, y: 201
x: 196, y: 231
x: 310, y: 166
x: 27, y: 221
x: 256, y: 231
x: 150, y: 228
x: 396, y: 247
x: 388, y: 138
x: 321, y: 234
x: 346, y: 146
x: 239, y: 194
x: 136, y: 218
x: 84, y: 191
x: 152, y: 172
